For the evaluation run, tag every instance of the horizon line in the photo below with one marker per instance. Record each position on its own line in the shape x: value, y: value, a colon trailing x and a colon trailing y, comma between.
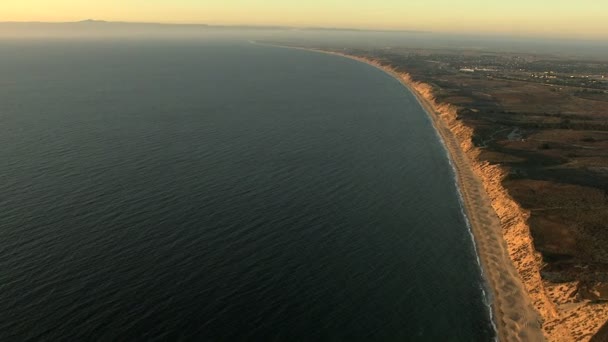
x: 317, y: 28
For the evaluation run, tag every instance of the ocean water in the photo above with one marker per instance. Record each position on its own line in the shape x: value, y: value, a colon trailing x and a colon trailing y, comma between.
x: 204, y: 190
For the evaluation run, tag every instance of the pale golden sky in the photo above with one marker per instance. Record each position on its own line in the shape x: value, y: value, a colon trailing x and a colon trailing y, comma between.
x: 561, y: 18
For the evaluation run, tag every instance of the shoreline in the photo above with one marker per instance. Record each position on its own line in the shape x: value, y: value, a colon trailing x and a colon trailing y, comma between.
x: 525, y: 307
x: 513, y: 311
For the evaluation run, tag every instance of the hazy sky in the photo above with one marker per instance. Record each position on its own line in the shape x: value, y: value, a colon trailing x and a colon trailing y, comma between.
x: 562, y: 18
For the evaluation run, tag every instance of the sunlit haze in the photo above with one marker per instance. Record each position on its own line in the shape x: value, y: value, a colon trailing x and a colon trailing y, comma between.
x: 584, y: 19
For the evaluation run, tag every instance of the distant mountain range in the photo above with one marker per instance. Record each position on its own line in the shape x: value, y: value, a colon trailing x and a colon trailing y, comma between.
x: 110, y: 26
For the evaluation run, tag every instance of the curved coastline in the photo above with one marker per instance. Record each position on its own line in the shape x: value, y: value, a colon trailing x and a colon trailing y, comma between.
x: 512, y: 309
x: 513, y: 312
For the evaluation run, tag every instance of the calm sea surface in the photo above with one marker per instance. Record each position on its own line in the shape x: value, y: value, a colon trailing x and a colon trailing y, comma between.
x: 203, y: 190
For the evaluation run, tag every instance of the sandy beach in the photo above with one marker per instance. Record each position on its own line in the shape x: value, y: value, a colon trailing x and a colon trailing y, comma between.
x: 514, y: 313
x: 525, y: 307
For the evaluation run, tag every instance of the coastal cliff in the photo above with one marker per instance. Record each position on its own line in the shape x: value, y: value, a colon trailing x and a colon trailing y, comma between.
x: 525, y: 306
x: 563, y: 318
x: 514, y: 313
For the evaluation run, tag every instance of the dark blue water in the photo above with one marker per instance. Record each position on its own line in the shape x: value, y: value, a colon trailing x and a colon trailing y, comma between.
x: 205, y: 190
